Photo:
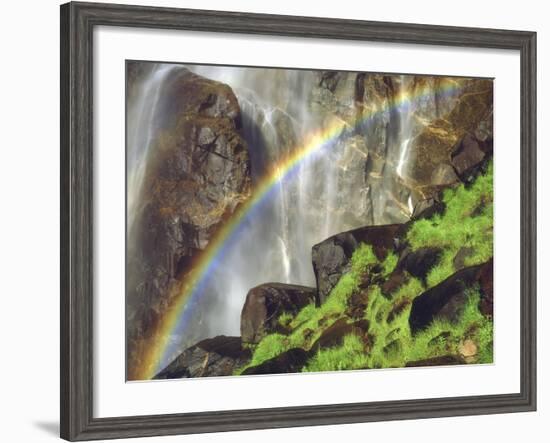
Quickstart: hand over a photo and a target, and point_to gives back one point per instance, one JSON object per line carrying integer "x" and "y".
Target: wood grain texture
{"x": 77, "y": 23}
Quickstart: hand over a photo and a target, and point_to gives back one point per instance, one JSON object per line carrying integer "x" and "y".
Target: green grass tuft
{"x": 440, "y": 338}
{"x": 350, "y": 355}
{"x": 285, "y": 318}
{"x": 271, "y": 346}
{"x": 362, "y": 258}
{"x": 390, "y": 263}
{"x": 466, "y": 223}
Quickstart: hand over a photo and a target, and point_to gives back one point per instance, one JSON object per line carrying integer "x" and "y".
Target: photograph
{"x": 283, "y": 220}
{"x": 266, "y": 222}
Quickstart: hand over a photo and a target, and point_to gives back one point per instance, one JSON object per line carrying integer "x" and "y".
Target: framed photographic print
{"x": 272, "y": 221}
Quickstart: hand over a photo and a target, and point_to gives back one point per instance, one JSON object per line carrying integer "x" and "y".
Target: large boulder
{"x": 334, "y": 335}
{"x": 216, "y": 356}
{"x": 196, "y": 173}
{"x": 332, "y": 257}
{"x": 469, "y": 155}
{"x": 265, "y": 303}
{"x": 427, "y": 208}
{"x": 419, "y": 262}
{"x": 446, "y": 300}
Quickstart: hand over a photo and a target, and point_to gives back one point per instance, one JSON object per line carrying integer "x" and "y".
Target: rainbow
{"x": 178, "y": 314}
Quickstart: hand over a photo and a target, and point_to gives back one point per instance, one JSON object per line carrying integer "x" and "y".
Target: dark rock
{"x": 446, "y": 300}
{"x": 444, "y": 174}
{"x": 357, "y": 304}
{"x": 329, "y": 80}
{"x": 330, "y": 262}
{"x": 394, "y": 281}
{"x": 427, "y": 208}
{"x": 419, "y": 262}
{"x": 397, "y": 309}
{"x": 434, "y": 145}
{"x": 335, "y": 333}
{"x": 416, "y": 263}
{"x": 486, "y": 287}
{"x": 265, "y": 303}
{"x": 289, "y": 361}
{"x": 198, "y": 172}
{"x": 444, "y": 360}
{"x": 468, "y": 156}
{"x": 211, "y": 357}
{"x": 331, "y": 258}
{"x": 460, "y": 257}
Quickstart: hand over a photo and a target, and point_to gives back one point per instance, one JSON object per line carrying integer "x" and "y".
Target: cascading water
{"x": 275, "y": 245}
{"x": 405, "y": 126}
{"x": 142, "y": 127}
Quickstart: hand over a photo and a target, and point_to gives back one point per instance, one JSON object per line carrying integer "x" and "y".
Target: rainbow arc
{"x": 178, "y": 314}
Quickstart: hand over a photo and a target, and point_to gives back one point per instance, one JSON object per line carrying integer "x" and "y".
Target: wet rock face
{"x": 446, "y": 300}
{"x": 198, "y": 171}
{"x": 443, "y": 112}
{"x": 211, "y": 357}
{"x": 331, "y": 258}
{"x": 469, "y": 156}
{"x": 448, "y": 149}
{"x": 427, "y": 208}
{"x": 265, "y": 303}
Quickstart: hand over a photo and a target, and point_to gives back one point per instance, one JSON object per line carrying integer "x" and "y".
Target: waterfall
{"x": 142, "y": 126}
{"x": 276, "y": 244}
{"x": 405, "y": 125}
{"x": 322, "y": 199}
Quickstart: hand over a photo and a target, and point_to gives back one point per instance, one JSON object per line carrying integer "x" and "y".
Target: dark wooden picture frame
{"x": 77, "y": 24}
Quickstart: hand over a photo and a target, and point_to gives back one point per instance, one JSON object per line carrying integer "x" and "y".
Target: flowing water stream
{"x": 311, "y": 205}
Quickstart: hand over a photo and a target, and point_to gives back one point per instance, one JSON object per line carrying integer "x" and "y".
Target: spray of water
{"x": 405, "y": 127}
{"x": 142, "y": 127}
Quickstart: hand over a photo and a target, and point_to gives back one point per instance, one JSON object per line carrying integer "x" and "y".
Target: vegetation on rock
{"x": 464, "y": 234}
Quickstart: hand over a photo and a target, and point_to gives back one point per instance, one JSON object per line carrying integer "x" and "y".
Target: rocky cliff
{"x": 198, "y": 175}
{"x": 404, "y": 131}
{"x": 403, "y": 196}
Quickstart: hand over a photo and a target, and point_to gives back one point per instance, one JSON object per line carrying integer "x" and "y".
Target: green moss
{"x": 445, "y": 268}
{"x": 271, "y": 346}
{"x": 304, "y": 315}
{"x": 409, "y": 290}
{"x": 484, "y": 339}
{"x": 311, "y": 321}
{"x": 466, "y": 222}
{"x": 285, "y": 318}
{"x": 362, "y": 258}
{"x": 390, "y": 263}
{"x": 440, "y": 338}
{"x": 350, "y": 355}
